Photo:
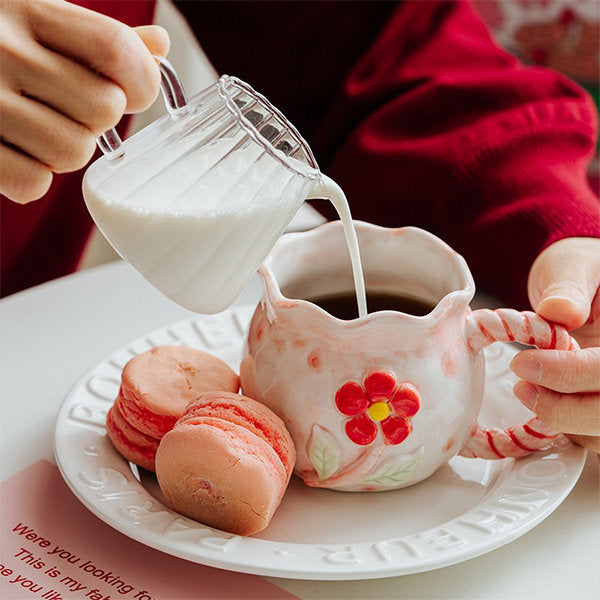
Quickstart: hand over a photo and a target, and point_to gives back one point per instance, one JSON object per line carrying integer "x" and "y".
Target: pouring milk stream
{"x": 197, "y": 199}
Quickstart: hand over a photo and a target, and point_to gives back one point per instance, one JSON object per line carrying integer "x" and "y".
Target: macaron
{"x": 226, "y": 463}
{"x": 156, "y": 386}
{"x": 134, "y": 445}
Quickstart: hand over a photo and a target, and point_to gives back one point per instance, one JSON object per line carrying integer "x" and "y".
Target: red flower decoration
{"x": 379, "y": 400}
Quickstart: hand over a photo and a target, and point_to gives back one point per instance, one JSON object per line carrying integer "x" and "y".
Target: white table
{"x": 53, "y": 333}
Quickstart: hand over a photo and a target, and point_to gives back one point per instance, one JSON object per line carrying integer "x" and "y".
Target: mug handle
{"x": 484, "y": 327}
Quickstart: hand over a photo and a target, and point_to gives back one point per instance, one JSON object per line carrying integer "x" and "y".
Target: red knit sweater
{"x": 409, "y": 106}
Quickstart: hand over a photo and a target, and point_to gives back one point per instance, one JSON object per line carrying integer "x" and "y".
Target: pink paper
{"x": 53, "y": 548}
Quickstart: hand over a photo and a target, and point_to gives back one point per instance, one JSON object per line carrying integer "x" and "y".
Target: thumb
{"x": 564, "y": 279}
{"x": 155, "y": 38}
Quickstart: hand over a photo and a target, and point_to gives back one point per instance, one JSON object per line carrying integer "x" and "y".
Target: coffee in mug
{"x": 343, "y": 306}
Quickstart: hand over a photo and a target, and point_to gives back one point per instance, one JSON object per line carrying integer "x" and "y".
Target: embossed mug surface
{"x": 381, "y": 402}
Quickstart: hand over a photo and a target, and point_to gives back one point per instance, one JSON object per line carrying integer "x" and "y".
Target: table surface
{"x": 52, "y": 334}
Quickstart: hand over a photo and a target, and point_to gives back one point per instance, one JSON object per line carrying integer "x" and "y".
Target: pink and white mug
{"x": 381, "y": 402}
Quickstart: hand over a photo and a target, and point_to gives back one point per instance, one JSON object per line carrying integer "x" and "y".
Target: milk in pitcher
{"x": 196, "y": 200}
{"x": 198, "y": 229}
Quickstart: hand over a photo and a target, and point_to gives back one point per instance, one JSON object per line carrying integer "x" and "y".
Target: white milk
{"x": 198, "y": 224}
{"x": 331, "y": 190}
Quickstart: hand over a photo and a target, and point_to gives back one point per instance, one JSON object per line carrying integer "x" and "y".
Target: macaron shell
{"x": 134, "y": 445}
{"x": 157, "y": 385}
{"x": 145, "y": 420}
{"x": 249, "y": 414}
{"x": 220, "y": 474}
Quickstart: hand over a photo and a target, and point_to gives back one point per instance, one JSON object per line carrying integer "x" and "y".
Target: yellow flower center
{"x": 379, "y": 411}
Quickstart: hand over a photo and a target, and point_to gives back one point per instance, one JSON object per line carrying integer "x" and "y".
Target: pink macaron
{"x": 133, "y": 444}
{"x": 156, "y": 386}
{"x": 226, "y": 463}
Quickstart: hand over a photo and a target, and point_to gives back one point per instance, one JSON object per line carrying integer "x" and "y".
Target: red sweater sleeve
{"x": 453, "y": 134}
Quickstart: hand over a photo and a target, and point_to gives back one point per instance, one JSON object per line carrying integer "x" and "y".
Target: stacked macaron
{"x": 222, "y": 459}
{"x": 226, "y": 462}
{"x": 156, "y": 387}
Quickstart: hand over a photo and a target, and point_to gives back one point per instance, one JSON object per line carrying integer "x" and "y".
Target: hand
{"x": 67, "y": 75}
{"x": 563, "y": 387}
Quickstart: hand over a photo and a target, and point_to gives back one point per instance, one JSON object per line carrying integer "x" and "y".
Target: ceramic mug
{"x": 381, "y": 402}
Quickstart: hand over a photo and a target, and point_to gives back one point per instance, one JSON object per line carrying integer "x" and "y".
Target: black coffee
{"x": 343, "y": 306}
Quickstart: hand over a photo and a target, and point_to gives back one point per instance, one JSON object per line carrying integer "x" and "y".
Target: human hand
{"x": 67, "y": 75}
{"x": 563, "y": 387}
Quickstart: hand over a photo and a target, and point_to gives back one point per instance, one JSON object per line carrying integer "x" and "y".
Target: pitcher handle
{"x": 175, "y": 100}
{"x": 484, "y": 327}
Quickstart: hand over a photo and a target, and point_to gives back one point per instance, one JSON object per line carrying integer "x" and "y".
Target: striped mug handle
{"x": 484, "y": 327}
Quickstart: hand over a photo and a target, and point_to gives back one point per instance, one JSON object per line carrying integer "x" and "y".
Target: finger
{"x": 560, "y": 370}
{"x": 155, "y": 38}
{"x": 564, "y": 279}
{"x": 42, "y": 133}
{"x": 591, "y": 442}
{"x": 69, "y": 88}
{"x": 101, "y": 43}
{"x": 22, "y": 178}
{"x": 568, "y": 413}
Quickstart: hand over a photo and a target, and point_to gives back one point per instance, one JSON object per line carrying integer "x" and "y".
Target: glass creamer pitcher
{"x": 196, "y": 200}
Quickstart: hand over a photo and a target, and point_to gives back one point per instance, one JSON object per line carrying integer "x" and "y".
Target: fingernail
{"x": 567, "y": 307}
{"x": 562, "y": 297}
{"x": 526, "y": 367}
{"x": 527, "y": 394}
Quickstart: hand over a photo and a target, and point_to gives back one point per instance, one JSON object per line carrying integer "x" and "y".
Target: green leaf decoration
{"x": 324, "y": 452}
{"x": 396, "y": 471}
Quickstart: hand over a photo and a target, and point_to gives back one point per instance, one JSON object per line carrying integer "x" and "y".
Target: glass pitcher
{"x": 196, "y": 200}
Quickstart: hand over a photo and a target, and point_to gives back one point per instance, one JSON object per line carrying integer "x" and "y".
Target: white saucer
{"x": 466, "y": 509}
